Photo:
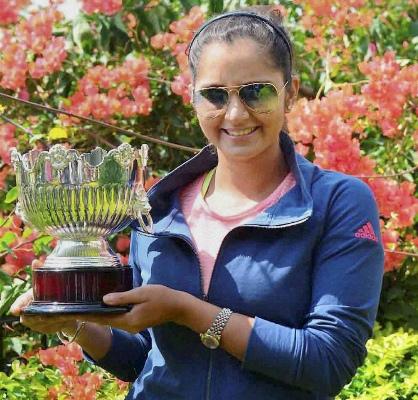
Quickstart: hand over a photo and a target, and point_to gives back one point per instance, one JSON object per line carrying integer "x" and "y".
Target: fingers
{"x": 133, "y": 296}
{"x": 128, "y": 321}
{"x": 21, "y": 302}
{"x": 47, "y": 324}
{"x": 116, "y": 321}
{"x": 36, "y": 263}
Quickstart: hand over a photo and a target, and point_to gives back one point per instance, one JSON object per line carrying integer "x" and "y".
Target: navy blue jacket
{"x": 309, "y": 269}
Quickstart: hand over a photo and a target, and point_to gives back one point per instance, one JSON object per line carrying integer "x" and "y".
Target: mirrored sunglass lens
{"x": 212, "y": 98}
{"x": 259, "y": 96}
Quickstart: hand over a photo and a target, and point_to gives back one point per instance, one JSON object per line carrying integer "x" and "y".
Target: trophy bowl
{"x": 81, "y": 198}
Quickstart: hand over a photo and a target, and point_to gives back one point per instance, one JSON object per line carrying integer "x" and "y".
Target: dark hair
{"x": 227, "y": 29}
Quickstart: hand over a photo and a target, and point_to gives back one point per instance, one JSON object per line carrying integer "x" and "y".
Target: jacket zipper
{"x": 209, "y": 377}
{"x": 204, "y": 298}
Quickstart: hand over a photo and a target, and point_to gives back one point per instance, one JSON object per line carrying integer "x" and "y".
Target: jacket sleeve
{"x": 324, "y": 354}
{"x": 128, "y": 352}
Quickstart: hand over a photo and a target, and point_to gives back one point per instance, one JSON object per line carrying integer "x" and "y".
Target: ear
{"x": 292, "y": 93}
{"x": 190, "y": 89}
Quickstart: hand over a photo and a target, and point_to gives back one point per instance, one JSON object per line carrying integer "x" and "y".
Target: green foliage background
{"x": 390, "y": 371}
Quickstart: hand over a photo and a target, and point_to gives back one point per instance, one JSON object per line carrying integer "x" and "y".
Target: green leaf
{"x": 5, "y": 279}
{"x": 117, "y": 21}
{"x": 395, "y": 292}
{"x": 6, "y": 240}
{"x": 12, "y": 195}
{"x": 41, "y": 245}
{"x": 216, "y": 6}
{"x": 413, "y": 28}
{"x": 81, "y": 31}
{"x": 188, "y": 4}
{"x": 9, "y": 294}
{"x": 16, "y": 345}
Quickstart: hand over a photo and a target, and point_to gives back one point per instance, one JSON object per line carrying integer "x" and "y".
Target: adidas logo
{"x": 366, "y": 232}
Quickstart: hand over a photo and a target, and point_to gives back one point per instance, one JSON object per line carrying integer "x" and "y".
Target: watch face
{"x": 210, "y": 341}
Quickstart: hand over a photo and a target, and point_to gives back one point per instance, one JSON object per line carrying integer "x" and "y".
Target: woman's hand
{"x": 22, "y": 302}
{"x": 41, "y": 323}
{"x": 152, "y": 305}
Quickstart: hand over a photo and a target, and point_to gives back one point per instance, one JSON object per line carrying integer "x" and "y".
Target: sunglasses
{"x": 261, "y": 98}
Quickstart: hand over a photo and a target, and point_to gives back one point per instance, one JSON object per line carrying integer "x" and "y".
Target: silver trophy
{"x": 81, "y": 198}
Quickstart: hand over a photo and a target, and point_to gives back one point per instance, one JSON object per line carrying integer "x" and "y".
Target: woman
{"x": 254, "y": 284}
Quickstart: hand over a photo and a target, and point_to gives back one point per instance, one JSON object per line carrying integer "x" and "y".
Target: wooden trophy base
{"x": 78, "y": 290}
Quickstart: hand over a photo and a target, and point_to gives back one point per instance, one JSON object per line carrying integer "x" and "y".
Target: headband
{"x": 278, "y": 29}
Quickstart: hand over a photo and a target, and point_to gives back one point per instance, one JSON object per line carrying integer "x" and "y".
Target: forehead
{"x": 239, "y": 62}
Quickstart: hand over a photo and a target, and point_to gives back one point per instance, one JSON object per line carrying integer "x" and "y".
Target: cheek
{"x": 208, "y": 126}
{"x": 274, "y": 122}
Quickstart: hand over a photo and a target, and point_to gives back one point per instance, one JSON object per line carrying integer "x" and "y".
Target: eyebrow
{"x": 241, "y": 84}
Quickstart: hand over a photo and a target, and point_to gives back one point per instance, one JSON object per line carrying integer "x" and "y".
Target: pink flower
{"x": 108, "y": 7}
{"x": 7, "y": 141}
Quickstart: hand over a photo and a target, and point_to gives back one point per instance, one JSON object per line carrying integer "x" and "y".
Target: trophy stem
{"x": 70, "y": 253}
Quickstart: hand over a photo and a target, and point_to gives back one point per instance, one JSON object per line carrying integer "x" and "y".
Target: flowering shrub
{"x": 103, "y": 92}
{"x": 177, "y": 41}
{"x": 124, "y": 63}
{"x": 58, "y": 373}
{"x": 30, "y": 49}
{"x": 9, "y": 10}
{"x": 109, "y": 7}
{"x": 390, "y": 371}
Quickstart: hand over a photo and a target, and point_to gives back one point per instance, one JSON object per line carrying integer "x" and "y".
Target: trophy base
{"x": 42, "y": 308}
{"x": 78, "y": 290}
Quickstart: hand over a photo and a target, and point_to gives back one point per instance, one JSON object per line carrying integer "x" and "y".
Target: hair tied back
{"x": 276, "y": 28}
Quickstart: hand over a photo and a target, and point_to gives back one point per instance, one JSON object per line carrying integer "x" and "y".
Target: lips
{"x": 240, "y": 132}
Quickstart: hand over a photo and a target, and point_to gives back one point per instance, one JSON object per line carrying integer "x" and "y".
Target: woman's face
{"x": 240, "y": 133}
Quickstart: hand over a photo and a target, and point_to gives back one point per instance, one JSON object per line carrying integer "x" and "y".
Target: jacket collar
{"x": 293, "y": 208}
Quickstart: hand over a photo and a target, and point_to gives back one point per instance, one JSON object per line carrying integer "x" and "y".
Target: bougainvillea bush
{"x": 123, "y": 64}
{"x": 58, "y": 373}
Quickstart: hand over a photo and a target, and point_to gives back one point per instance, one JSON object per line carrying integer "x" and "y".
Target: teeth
{"x": 240, "y": 132}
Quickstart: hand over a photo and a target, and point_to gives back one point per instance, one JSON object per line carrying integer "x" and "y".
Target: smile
{"x": 240, "y": 132}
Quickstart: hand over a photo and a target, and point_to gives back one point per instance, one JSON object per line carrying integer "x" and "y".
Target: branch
{"x": 7, "y": 218}
{"x": 100, "y": 139}
{"x": 407, "y": 171}
{"x": 28, "y": 131}
{"x": 16, "y": 276}
{"x": 19, "y": 245}
{"x": 405, "y": 253}
{"x": 105, "y": 124}
{"x": 351, "y": 83}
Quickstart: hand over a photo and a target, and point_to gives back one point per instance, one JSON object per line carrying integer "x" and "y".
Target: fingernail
{"x": 108, "y": 298}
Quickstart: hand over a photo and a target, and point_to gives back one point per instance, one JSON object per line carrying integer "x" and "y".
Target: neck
{"x": 254, "y": 179}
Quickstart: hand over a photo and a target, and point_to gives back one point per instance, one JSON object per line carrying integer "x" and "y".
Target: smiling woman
{"x": 253, "y": 284}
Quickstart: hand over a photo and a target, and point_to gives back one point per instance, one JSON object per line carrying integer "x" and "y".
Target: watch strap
{"x": 219, "y": 322}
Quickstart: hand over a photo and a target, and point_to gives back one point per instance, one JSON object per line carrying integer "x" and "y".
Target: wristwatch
{"x": 212, "y": 337}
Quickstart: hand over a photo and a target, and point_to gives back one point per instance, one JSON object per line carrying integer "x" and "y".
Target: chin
{"x": 240, "y": 154}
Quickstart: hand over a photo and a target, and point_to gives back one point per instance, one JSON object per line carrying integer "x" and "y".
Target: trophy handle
{"x": 148, "y": 225}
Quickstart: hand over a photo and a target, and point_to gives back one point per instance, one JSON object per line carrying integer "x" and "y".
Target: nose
{"x": 235, "y": 108}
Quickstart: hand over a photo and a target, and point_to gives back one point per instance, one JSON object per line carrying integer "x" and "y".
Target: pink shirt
{"x": 208, "y": 228}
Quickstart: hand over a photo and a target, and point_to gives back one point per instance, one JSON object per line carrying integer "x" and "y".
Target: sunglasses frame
{"x": 237, "y": 88}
